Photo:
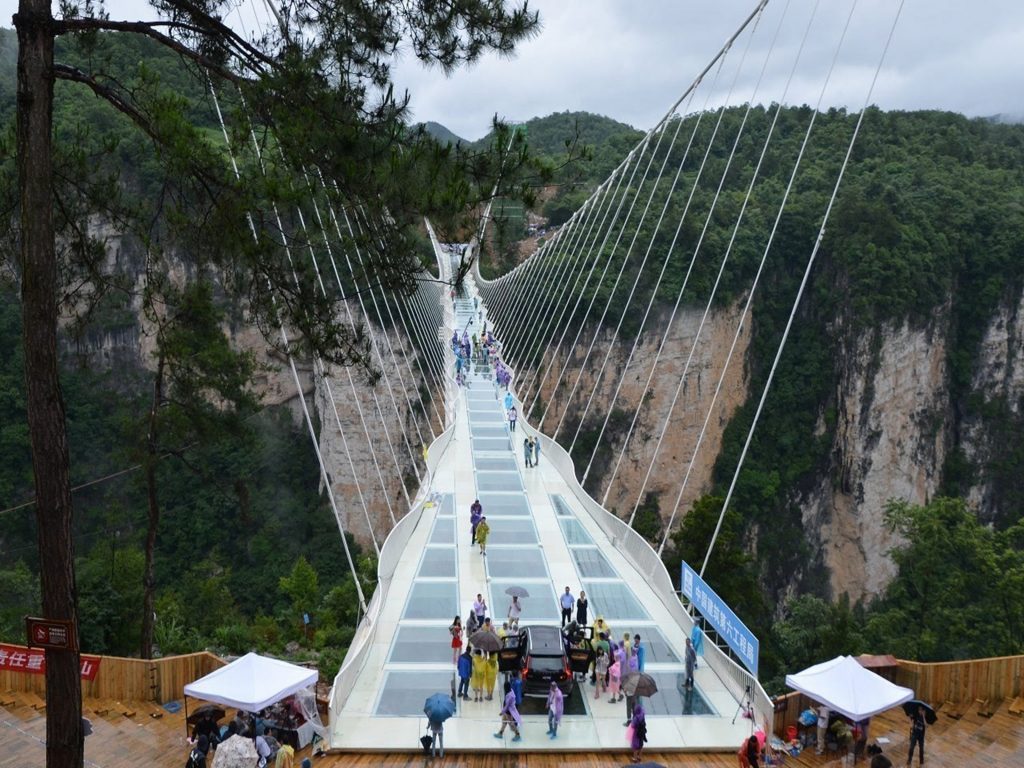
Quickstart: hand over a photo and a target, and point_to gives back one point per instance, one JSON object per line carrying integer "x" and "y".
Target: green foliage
{"x": 812, "y": 630}
{"x": 955, "y": 595}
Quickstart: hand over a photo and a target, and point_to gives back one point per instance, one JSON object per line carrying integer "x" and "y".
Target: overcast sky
{"x": 632, "y": 59}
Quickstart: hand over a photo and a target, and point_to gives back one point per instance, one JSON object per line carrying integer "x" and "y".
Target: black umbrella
{"x": 216, "y": 711}
{"x": 910, "y": 707}
{"x": 639, "y": 684}
{"x": 485, "y": 640}
{"x": 516, "y": 592}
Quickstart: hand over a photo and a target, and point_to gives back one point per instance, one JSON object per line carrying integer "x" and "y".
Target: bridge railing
{"x": 642, "y": 556}
{"x": 390, "y": 555}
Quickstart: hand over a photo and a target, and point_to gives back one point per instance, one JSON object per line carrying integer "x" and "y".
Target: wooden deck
{"x": 127, "y": 735}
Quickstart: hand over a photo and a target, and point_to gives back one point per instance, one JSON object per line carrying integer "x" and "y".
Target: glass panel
{"x": 574, "y": 532}
{"x": 444, "y": 531}
{"x": 504, "y": 504}
{"x": 590, "y": 563}
{"x": 424, "y": 645}
{"x": 673, "y": 699}
{"x": 511, "y": 531}
{"x": 613, "y": 601}
{"x": 438, "y": 562}
{"x": 487, "y": 431}
{"x": 539, "y": 606}
{"x": 658, "y": 650}
{"x": 495, "y": 464}
{"x": 432, "y": 600}
{"x": 491, "y": 444}
{"x": 499, "y": 481}
{"x": 403, "y": 693}
{"x": 517, "y": 562}
{"x": 561, "y": 508}
{"x": 446, "y": 505}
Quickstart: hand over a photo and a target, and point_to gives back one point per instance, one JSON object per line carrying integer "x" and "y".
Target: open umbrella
{"x": 639, "y": 684}
{"x": 910, "y": 707}
{"x": 216, "y": 711}
{"x": 485, "y": 640}
{"x": 439, "y": 707}
{"x": 516, "y": 592}
{"x": 236, "y": 752}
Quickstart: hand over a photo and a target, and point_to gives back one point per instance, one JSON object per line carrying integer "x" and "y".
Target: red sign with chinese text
{"x": 55, "y": 634}
{"x": 16, "y": 658}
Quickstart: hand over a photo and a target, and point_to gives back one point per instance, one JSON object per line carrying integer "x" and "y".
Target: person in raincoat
{"x": 640, "y": 652}
{"x": 508, "y": 401}
{"x": 614, "y": 672}
{"x": 491, "y": 674}
{"x": 476, "y": 680}
{"x": 555, "y": 708}
{"x": 601, "y": 672}
{"x": 600, "y": 625}
{"x": 639, "y": 735}
{"x": 483, "y": 530}
{"x": 509, "y": 715}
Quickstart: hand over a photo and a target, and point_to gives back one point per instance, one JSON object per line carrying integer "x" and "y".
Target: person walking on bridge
{"x": 483, "y": 530}
{"x": 509, "y": 402}
{"x": 527, "y": 452}
{"x": 512, "y": 416}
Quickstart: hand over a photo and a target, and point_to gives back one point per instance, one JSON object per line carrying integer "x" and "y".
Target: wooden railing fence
{"x": 159, "y": 680}
{"x": 991, "y": 680}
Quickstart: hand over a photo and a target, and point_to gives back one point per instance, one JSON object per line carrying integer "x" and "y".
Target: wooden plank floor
{"x": 118, "y": 741}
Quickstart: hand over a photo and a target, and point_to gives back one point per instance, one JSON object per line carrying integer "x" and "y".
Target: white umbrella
{"x": 236, "y": 752}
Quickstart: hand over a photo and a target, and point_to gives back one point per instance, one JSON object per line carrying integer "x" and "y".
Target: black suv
{"x": 544, "y": 654}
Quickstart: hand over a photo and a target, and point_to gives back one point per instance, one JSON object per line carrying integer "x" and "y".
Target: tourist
{"x": 476, "y": 514}
{"x": 600, "y": 672}
{"x": 516, "y": 681}
{"x": 508, "y": 401}
{"x": 581, "y": 609}
{"x": 527, "y": 452}
{"x": 555, "y": 708}
{"x": 691, "y": 663}
{"x": 478, "y": 674}
{"x": 822, "y": 726}
{"x": 640, "y": 652}
{"x": 515, "y": 610}
{"x": 263, "y": 748}
{"x": 639, "y": 735}
{"x": 491, "y": 674}
{"x": 509, "y": 715}
{"x": 483, "y": 530}
{"x": 465, "y": 669}
{"x": 437, "y": 738}
{"x": 613, "y": 682}
{"x": 456, "y": 632}
{"x": 917, "y": 727}
{"x": 480, "y": 609}
{"x": 536, "y": 451}
{"x": 567, "y": 601}
{"x": 512, "y": 416}
{"x": 197, "y": 755}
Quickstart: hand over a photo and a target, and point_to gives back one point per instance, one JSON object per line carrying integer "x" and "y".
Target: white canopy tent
{"x": 846, "y": 687}
{"x": 252, "y": 683}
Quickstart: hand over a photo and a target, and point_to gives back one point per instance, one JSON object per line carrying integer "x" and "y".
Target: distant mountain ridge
{"x": 441, "y": 133}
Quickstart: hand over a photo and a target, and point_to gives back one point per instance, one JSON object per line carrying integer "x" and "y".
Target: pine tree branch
{"x": 253, "y": 58}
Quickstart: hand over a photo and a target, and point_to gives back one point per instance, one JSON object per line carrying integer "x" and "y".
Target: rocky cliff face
{"x": 687, "y": 417}
{"x": 897, "y": 421}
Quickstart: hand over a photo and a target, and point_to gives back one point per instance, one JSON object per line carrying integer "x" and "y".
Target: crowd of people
{"x": 265, "y": 728}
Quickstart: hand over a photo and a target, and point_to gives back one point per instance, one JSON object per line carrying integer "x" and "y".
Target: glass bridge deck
{"x": 542, "y": 539}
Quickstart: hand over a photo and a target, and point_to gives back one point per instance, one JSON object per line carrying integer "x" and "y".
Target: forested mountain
{"x": 904, "y": 379}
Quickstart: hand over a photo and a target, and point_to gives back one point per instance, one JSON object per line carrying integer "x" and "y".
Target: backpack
{"x": 196, "y": 759}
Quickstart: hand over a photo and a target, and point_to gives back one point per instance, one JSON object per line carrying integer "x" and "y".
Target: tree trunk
{"x": 148, "y": 580}
{"x": 45, "y": 405}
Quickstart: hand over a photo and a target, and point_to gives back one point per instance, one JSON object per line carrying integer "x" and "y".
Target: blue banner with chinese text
{"x": 720, "y": 616}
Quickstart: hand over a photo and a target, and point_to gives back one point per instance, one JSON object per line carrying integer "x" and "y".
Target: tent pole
{"x": 186, "y": 715}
